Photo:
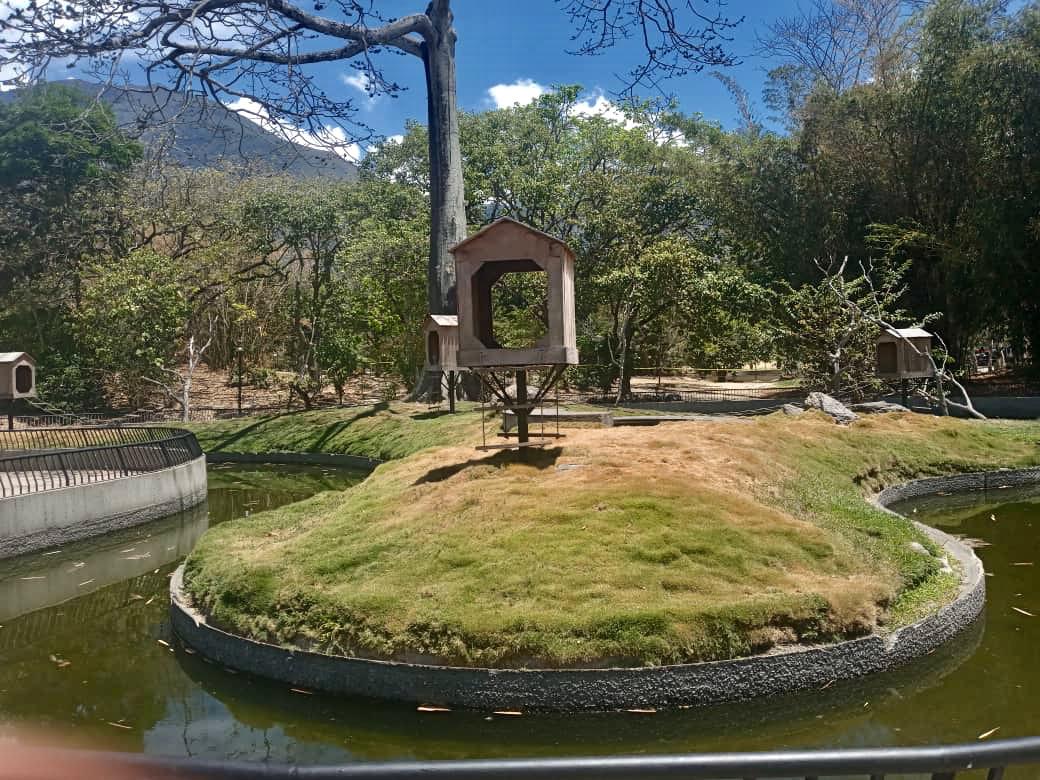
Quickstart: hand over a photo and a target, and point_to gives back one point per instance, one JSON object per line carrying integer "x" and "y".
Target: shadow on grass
{"x": 431, "y": 415}
{"x": 529, "y": 456}
{"x": 242, "y": 432}
{"x": 336, "y": 428}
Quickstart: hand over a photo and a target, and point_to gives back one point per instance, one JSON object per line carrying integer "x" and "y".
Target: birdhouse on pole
{"x": 17, "y": 380}
{"x": 441, "y": 337}
{"x": 17, "y": 376}
{"x": 441, "y": 344}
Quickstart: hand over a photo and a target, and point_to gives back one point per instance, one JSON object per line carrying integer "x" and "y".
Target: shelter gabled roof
{"x": 14, "y": 357}
{"x": 908, "y": 333}
{"x": 504, "y": 221}
{"x": 445, "y": 320}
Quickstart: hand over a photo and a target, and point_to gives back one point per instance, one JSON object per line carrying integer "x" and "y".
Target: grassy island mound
{"x": 620, "y": 546}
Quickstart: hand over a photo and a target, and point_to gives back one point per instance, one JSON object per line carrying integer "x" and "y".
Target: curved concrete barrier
{"x": 781, "y": 671}
{"x": 37, "y": 521}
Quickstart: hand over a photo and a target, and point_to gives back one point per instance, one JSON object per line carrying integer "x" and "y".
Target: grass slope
{"x": 624, "y": 546}
{"x": 385, "y": 431}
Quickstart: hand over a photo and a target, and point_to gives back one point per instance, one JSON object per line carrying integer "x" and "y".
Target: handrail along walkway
{"x": 41, "y": 459}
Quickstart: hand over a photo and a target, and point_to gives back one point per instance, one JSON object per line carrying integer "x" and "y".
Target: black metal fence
{"x": 79, "y": 437}
{"x": 991, "y": 760}
{"x": 61, "y": 420}
{"x": 51, "y": 458}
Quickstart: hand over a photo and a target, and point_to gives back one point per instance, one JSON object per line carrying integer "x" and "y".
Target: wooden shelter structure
{"x": 481, "y": 261}
{"x": 505, "y": 247}
{"x": 903, "y": 354}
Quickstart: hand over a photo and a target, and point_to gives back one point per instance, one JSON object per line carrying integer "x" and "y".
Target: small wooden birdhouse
{"x": 17, "y": 376}
{"x": 441, "y": 337}
{"x": 903, "y": 354}
{"x": 485, "y": 260}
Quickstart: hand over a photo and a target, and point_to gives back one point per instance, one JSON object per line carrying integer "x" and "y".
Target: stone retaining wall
{"x": 37, "y": 521}
{"x": 784, "y": 670}
{"x": 296, "y": 459}
{"x": 958, "y": 483}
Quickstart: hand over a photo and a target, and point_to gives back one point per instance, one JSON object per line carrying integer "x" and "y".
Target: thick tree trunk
{"x": 447, "y": 202}
{"x": 447, "y": 193}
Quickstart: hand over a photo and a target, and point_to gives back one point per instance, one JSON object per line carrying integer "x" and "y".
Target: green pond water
{"x": 86, "y": 652}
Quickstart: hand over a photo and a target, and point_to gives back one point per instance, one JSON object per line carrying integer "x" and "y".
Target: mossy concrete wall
{"x": 296, "y": 459}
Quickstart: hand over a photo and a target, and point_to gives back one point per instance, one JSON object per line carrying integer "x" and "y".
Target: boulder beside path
{"x": 832, "y": 406}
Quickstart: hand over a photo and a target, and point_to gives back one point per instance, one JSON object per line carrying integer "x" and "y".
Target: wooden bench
{"x": 606, "y": 419}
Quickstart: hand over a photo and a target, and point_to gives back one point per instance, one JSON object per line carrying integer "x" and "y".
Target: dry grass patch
{"x": 622, "y": 546}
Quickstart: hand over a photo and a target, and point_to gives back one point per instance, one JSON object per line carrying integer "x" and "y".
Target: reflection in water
{"x": 33, "y": 582}
{"x": 103, "y": 665}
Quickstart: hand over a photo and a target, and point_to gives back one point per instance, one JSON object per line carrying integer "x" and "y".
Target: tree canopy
{"x": 696, "y": 245}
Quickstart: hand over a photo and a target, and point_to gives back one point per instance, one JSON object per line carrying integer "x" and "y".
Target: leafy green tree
{"x": 63, "y": 167}
{"x": 829, "y": 330}
{"x": 296, "y": 231}
{"x": 385, "y": 277}
{"x": 937, "y": 163}
{"x": 62, "y": 163}
{"x": 726, "y": 319}
{"x": 131, "y": 322}
{"x": 616, "y": 189}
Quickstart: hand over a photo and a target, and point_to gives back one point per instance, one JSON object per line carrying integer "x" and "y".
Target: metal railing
{"x": 979, "y": 759}
{"x": 42, "y": 459}
{"x": 60, "y": 419}
{"x": 19, "y": 440}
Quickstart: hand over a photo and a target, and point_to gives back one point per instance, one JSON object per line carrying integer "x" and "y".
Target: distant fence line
{"x": 43, "y": 459}
{"x": 141, "y": 417}
{"x": 706, "y": 394}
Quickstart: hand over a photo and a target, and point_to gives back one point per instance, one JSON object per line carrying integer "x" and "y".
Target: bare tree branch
{"x": 678, "y": 38}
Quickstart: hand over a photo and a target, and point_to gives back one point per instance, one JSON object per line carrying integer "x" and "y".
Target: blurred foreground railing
{"x": 991, "y": 760}
{"x": 51, "y": 458}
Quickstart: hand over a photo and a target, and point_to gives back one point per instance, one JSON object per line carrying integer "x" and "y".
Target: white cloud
{"x": 520, "y": 92}
{"x": 524, "y": 91}
{"x": 328, "y": 137}
{"x": 359, "y": 80}
{"x": 598, "y": 105}
{"x": 397, "y": 138}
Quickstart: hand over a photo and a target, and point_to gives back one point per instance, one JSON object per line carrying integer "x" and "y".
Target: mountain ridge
{"x": 197, "y": 132}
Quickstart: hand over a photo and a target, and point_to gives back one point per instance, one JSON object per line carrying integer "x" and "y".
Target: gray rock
{"x": 877, "y": 407}
{"x": 832, "y": 406}
{"x": 532, "y": 390}
{"x": 792, "y": 411}
{"x": 920, "y": 549}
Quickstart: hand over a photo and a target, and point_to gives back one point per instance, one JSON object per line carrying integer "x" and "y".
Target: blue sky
{"x": 504, "y": 47}
{"x": 509, "y": 50}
